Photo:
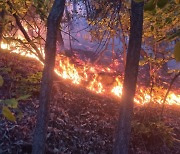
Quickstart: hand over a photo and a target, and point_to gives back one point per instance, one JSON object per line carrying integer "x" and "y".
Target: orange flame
{"x": 89, "y": 77}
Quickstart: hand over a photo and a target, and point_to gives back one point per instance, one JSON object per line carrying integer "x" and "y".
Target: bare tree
{"x": 131, "y": 71}
{"x": 53, "y": 22}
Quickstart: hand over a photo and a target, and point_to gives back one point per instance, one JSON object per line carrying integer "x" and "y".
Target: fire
{"x": 101, "y": 80}
{"x": 117, "y": 90}
{"x": 68, "y": 71}
{"x": 5, "y": 46}
{"x": 173, "y": 99}
{"x": 15, "y": 49}
{"x": 96, "y": 86}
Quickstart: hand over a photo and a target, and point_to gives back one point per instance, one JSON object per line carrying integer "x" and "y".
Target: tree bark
{"x": 53, "y": 21}
{"x": 121, "y": 144}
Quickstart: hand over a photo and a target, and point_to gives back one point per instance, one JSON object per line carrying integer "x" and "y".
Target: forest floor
{"x": 80, "y": 121}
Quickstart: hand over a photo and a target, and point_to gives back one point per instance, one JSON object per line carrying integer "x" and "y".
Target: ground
{"x": 80, "y": 121}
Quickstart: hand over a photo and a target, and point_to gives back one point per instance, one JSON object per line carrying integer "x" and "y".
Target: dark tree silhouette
{"x": 1, "y": 24}
{"x": 131, "y": 71}
{"x": 53, "y": 22}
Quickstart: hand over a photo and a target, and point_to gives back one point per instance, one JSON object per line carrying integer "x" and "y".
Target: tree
{"x": 131, "y": 71}
{"x": 1, "y": 24}
{"x": 53, "y": 22}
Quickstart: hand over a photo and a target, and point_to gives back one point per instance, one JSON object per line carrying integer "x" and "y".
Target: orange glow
{"x": 90, "y": 77}
{"x": 117, "y": 90}
{"x": 96, "y": 86}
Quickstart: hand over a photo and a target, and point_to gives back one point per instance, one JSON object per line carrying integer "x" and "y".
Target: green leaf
{"x": 5, "y": 69}
{"x": 177, "y": 51}
{"x": 25, "y": 97}
{"x": 8, "y": 114}
{"x": 168, "y": 20}
{"x": 150, "y": 5}
{"x": 162, "y": 3}
{"x": 152, "y": 28}
{"x": 1, "y": 81}
{"x": 11, "y": 102}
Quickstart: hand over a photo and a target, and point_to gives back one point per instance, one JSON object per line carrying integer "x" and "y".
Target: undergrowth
{"x": 150, "y": 132}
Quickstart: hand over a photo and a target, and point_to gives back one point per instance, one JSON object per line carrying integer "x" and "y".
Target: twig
{"x": 25, "y": 33}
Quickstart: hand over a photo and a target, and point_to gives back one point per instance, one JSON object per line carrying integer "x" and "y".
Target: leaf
{"x": 1, "y": 81}
{"x": 11, "y": 102}
{"x": 177, "y": 51}
{"x": 8, "y": 114}
{"x": 152, "y": 28}
{"x": 150, "y": 5}
{"x": 177, "y": 1}
{"x": 168, "y": 20}
{"x": 5, "y": 69}
{"x": 25, "y": 97}
{"x": 162, "y": 3}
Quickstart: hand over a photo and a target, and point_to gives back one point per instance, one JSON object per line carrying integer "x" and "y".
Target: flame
{"x": 5, "y": 46}
{"x": 68, "y": 71}
{"x": 90, "y": 76}
{"x": 117, "y": 90}
{"x": 96, "y": 86}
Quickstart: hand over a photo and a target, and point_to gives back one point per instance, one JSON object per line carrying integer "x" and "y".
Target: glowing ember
{"x": 97, "y": 78}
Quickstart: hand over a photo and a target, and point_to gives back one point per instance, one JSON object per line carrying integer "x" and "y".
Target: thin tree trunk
{"x": 99, "y": 56}
{"x": 1, "y": 25}
{"x": 69, "y": 29}
{"x": 124, "y": 43}
{"x": 113, "y": 49}
{"x": 53, "y": 21}
{"x": 87, "y": 10}
{"x": 74, "y": 7}
{"x": 121, "y": 144}
{"x": 60, "y": 41}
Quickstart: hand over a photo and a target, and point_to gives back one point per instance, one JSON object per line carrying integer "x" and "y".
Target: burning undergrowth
{"x": 102, "y": 79}
{"x": 107, "y": 80}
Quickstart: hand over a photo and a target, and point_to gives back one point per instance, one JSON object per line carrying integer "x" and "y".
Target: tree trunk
{"x": 53, "y": 21}
{"x": 74, "y": 7}
{"x": 70, "y": 53}
{"x": 60, "y": 42}
{"x": 1, "y": 25}
{"x": 131, "y": 71}
{"x": 113, "y": 50}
